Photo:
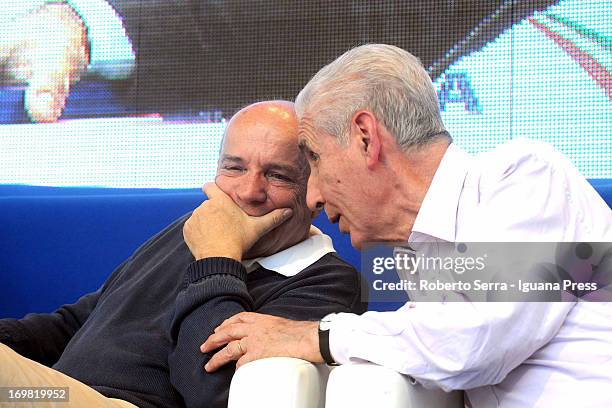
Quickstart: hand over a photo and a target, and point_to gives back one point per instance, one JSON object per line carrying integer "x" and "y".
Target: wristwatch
{"x": 324, "y": 326}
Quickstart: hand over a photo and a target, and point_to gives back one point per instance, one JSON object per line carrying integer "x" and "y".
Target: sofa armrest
{"x": 370, "y": 385}
{"x": 279, "y": 382}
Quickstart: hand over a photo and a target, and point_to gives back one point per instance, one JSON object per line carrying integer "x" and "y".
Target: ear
{"x": 368, "y": 136}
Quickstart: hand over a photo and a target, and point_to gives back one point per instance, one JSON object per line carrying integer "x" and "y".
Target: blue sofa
{"x": 59, "y": 243}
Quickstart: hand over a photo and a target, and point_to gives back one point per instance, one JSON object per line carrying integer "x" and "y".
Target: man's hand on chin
{"x": 219, "y": 227}
{"x": 251, "y": 336}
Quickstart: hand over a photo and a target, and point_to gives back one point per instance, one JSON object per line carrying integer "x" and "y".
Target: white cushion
{"x": 279, "y": 382}
{"x": 369, "y": 385}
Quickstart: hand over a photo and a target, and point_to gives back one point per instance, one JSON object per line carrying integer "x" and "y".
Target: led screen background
{"x": 165, "y": 76}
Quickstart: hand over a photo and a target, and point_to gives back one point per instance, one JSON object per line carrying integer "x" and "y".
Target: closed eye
{"x": 233, "y": 168}
{"x": 281, "y": 177}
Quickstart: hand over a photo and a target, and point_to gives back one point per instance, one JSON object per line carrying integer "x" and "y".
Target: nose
{"x": 314, "y": 199}
{"x": 252, "y": 190}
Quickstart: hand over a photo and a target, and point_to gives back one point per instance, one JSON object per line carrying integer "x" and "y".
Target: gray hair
{"x": 386, "y": 80}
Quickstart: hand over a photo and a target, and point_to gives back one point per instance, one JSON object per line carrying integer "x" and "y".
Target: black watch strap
{"x": 324, "y": 347}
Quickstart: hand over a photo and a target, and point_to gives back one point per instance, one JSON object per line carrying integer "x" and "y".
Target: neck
{"x": 413, "y": 172}
{"x": 261, "y": 250}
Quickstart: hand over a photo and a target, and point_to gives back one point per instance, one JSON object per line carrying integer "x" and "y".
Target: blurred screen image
{"x": 135, "y": 93}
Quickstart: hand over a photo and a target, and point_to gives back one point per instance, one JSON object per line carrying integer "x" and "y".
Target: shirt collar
{"x": 437, "y": 216}
{"x": 292, "y": 260}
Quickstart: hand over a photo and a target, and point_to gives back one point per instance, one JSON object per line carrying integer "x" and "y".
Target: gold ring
{"x": 240, "y": 347}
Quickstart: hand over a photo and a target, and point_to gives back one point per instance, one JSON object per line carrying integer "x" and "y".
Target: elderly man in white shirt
{"x": 385, "y": 169}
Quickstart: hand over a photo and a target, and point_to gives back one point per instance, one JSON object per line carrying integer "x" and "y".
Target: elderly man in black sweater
{"x": 249, "y": 247}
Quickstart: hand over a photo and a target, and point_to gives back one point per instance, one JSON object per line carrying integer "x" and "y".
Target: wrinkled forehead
{"x": 307, "y": 133}
{"x": 264, "y": 145}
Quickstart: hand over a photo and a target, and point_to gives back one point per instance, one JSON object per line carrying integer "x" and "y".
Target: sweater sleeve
{"x": 215, "y": 289}
{"x": 42, "y": 337}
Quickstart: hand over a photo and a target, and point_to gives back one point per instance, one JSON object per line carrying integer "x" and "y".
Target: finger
{"x": 242, "y": 317}
{"x": 246, "y": 358}
{"x": 224, "y": 336}
{"x": 215, "y": 341}
{"x": 273, "y": 219}
{"x": 222, "y": 357}
{"x": 212, "y": 191}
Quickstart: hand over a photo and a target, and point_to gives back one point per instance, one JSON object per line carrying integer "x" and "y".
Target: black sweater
{"x": 137, "y": 338}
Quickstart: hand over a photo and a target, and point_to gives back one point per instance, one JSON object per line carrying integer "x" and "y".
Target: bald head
{"x": 262, "y": 168}
{"x": 275, "y": 115}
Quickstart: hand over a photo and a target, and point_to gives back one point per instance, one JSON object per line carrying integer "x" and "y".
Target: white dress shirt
{"x": 290, "y": 261}
{"x": 504, "y": 354}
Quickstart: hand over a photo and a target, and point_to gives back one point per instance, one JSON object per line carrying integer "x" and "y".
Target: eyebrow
{"x": 292, "y": 170}
{"x": 228, "y": 157}
{"x": 304, "y": 146}
{"x": 271, "y": 166}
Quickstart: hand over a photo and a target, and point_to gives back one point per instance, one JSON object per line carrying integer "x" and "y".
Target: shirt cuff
{"x": 342, "y": 329}
{"x": 200, "y": 269}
